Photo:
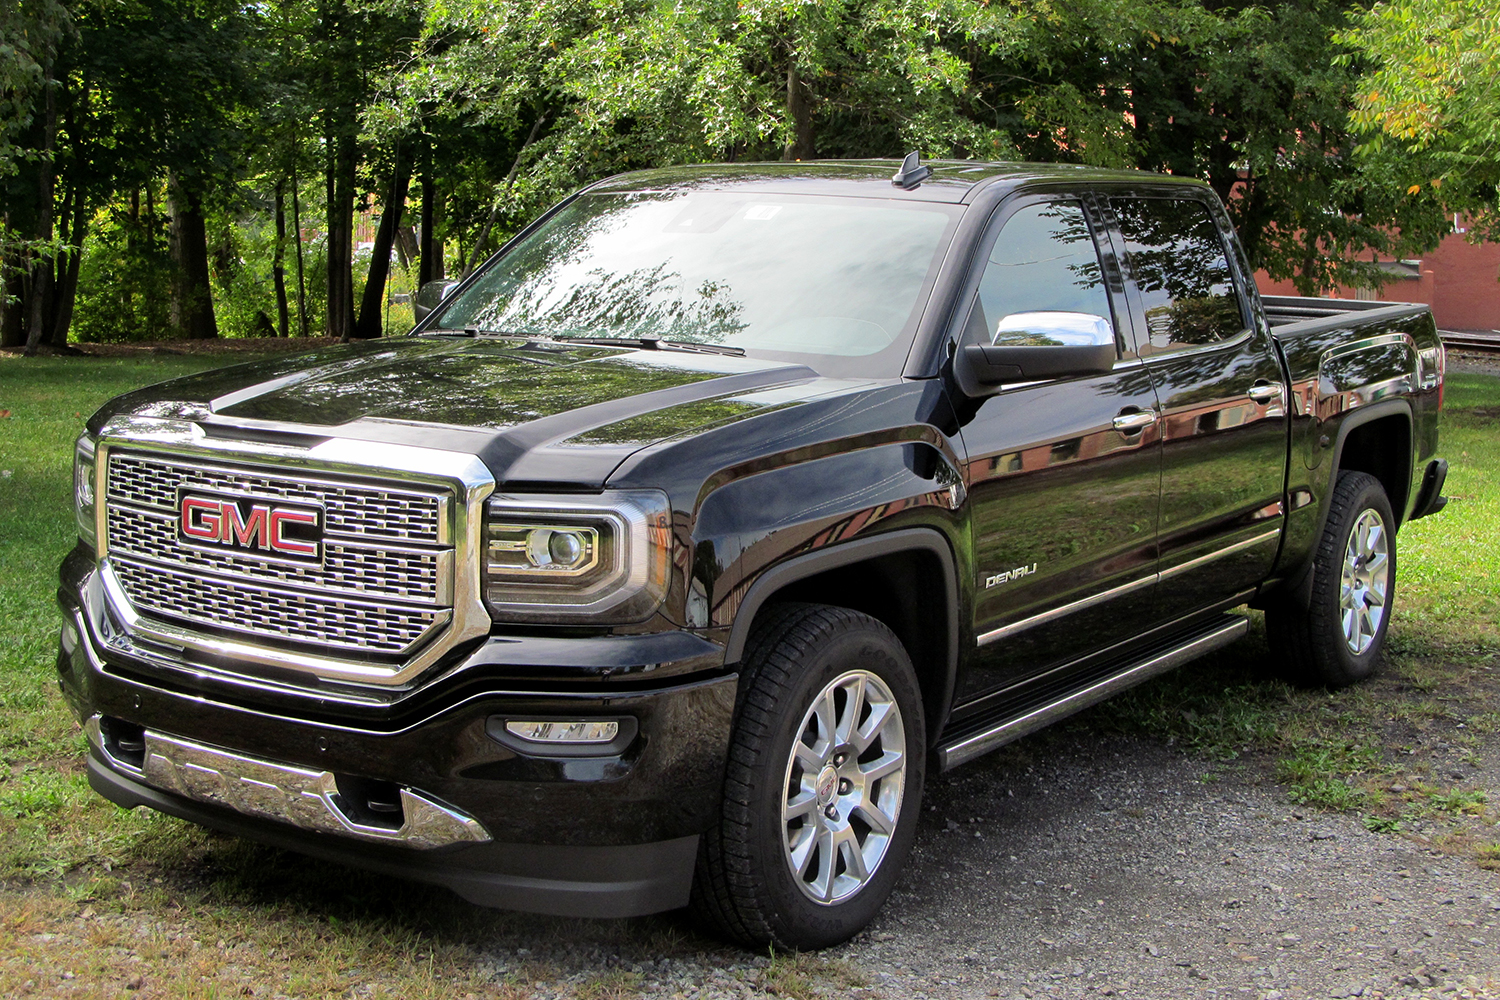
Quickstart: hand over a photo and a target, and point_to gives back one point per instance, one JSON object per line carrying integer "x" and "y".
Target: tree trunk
{"x": 278, "y": 268}
{"x": 510, "y": 181}
{"x": 429, "y": 268}
{"x": 40, "y": 285}
{"x": 192, "y": 297}
{"x": 799, "y": 111}
{"x": 406, "y": 245}
{"x": 372, "y": 302}
{"x": 65, "y": 293}
{"x": 341, "y": 237}
{"x": 12, "y": 267}
{"x": 301, "y": 271}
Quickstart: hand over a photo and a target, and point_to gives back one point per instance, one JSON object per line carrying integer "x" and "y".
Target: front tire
{"x": 823, "y": 783}
{"x": 1337, "y": 639}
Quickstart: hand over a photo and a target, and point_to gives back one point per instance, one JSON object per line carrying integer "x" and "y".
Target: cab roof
{"x": 952, "y": 181}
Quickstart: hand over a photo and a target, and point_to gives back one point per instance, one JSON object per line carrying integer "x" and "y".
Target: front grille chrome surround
{"x": 396, "y": 589}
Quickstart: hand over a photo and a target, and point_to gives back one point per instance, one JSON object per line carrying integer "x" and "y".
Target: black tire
{"x": 745, "y": 885}
{"x": 1309, "y": 642}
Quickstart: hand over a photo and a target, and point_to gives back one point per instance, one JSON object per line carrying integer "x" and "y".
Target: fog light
{"x": 569, "y": 733}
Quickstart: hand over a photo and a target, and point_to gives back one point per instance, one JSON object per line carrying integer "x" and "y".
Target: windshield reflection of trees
{"x": 1180, "y": 267}
{"x": 532, "y": 292}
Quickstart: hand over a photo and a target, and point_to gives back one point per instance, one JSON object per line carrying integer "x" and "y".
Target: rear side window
{"x": 1043, "y": 261}
{"x": 1180, "y": 266}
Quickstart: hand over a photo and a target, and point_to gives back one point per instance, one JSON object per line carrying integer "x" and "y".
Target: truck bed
{"x": 1293, "y": 314}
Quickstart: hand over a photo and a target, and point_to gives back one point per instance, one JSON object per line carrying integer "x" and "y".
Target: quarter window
{"x": 1180, "y": 267}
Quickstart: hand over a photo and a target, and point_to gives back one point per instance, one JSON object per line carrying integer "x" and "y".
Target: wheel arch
{"x": 890, "y": 577}
{"x": 1378, "y": 440}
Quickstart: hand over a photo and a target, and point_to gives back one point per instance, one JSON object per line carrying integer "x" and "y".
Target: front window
{"x": 836, "y": 283}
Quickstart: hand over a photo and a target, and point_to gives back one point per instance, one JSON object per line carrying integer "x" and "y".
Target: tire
{"x": 1337, "y": 638}
{"x": 798, "y": 658}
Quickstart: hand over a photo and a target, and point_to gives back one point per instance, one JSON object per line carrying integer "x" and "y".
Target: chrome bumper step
{"x": 302, "y": 797}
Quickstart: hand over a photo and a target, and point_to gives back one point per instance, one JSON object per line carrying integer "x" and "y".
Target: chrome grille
{"x": 383, "y": 585}
{"x": 349, "y": 508}
{"x": 327, "y": 621}
{"x": 406, "y": 574}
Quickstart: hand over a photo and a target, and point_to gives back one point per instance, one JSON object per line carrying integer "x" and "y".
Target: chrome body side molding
{"x": 1126, "y": 588}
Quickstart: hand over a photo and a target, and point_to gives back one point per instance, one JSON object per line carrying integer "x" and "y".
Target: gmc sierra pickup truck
{"x": 680, "y": 543}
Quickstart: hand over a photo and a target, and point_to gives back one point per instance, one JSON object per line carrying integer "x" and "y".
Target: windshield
{"x": 836, "y": 283}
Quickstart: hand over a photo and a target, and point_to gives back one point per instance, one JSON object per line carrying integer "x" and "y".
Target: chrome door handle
{"x": 1263, "y": 394}
{"x": 1135, "y": 421}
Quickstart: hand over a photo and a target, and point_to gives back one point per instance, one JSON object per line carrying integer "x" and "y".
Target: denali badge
{"x": 248, "y": 524}
{"x": 995, "y": 579}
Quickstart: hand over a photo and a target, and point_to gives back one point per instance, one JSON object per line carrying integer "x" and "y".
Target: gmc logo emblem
{"x": 248, "y": 524}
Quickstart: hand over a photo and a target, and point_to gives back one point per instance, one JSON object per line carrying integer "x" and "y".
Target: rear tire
{"x": 1338, "y": 637}
{"x": 823, "y": 782}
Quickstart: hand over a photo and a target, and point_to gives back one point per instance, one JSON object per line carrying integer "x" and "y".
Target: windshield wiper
{"x": 477, "y": 331}
{"x": 655, "y": 344}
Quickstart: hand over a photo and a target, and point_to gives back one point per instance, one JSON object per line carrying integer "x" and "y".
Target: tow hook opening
{"x": 369, "y": 802}
{"x": 124, "y": 741}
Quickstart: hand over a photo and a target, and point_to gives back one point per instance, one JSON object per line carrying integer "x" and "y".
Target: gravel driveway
{"x": 1073, "y": 866}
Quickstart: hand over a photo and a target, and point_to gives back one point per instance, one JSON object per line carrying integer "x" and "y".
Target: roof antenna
{"x": 911, "y": 173}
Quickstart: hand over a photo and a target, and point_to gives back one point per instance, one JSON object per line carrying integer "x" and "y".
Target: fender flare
{"x": 1299, "y": 585}
{"x": 928, "y": 540}
{"x": 1358, "y": 418}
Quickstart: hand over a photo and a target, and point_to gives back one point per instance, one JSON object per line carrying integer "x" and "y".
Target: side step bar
{"x": 967, "y": 749}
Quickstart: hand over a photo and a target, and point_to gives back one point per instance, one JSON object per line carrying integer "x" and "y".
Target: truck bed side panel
{"x": 1347, "y": 369}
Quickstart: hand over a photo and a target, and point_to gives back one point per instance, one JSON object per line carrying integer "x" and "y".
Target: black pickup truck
{"x": 683, "y": 540}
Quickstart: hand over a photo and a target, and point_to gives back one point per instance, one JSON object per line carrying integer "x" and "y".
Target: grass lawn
{"x": 126, "y": 901}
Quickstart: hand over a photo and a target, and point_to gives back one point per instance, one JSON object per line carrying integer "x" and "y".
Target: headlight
{"x": 599, "y": 558}
{"x": 83, "y": 489}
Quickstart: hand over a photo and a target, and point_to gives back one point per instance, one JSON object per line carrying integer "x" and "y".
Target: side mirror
{"x": 428, "y": 297}
{"x": 1031, "y": 346}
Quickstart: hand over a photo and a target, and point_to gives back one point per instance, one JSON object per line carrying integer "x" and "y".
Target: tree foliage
{"x": 1428, "y": 105}
{"x": 175, "y": 140}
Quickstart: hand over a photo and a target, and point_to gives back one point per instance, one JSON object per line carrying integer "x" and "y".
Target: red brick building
{"x": 1459, "y": 280}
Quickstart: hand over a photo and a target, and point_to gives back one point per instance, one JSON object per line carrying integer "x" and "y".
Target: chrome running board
{"x": 953, "y": 754}
{"x": 299, "y": 796}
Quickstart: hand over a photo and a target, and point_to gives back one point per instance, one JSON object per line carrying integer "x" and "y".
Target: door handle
{"x": 1263, "y": 393}
{"x": 1135, "y": 421}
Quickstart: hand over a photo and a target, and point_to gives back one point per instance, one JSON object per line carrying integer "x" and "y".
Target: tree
{"x": 1428, "y": 105}
{"x": 32, "y": 36}
{"x": 1247, "y": 97}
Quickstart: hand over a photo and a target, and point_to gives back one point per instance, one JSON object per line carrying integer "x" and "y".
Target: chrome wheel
{"x": 844, "y": 782}
{"x": 1366, "y": 581}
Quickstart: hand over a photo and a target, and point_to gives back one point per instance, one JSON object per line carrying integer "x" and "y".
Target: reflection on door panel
{"x": 1224, "y": 424}
{"x": 1064, "y": 504}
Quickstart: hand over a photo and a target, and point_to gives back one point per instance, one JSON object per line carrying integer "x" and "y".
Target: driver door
{"x": 1064, "y": 475}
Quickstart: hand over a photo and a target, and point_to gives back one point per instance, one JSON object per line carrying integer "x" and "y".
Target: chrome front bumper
{"x": 298, "y": 796}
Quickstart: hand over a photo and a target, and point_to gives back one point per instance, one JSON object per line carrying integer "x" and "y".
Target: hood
{"x": 536, "y": 413}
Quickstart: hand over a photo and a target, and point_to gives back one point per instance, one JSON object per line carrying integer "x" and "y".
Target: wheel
{"x": 823, "y": 784}
{"x": 1336, "y": 639}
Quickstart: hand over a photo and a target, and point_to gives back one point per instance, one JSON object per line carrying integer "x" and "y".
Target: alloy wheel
{"x": 844, "y": 782}
{"x": 1366, "y": 581}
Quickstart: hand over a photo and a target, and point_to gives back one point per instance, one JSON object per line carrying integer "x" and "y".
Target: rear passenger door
{"x": 1219, "y": 383}
{"x": 1063, "y": 474}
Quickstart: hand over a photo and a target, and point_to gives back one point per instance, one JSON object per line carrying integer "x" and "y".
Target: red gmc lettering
{"x": 245, "y": 532}
{"x": 265, "y": 528}
{"x": 202, "y": 518}
{"x": 291, "y": 545}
